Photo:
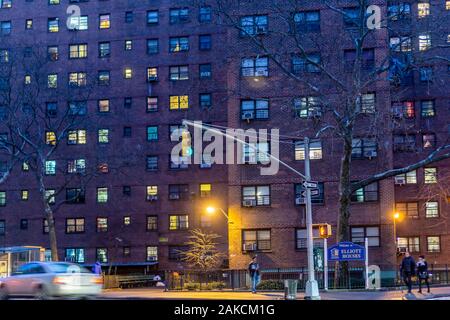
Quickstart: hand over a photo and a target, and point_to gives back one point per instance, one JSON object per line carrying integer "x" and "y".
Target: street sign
{"x": 314, "y": 192}
{"x": 310, "y": 184}
{"x": 346, "y": 251}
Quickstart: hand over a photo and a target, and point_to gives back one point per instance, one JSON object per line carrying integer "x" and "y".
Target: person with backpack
{"x": 253, "y": 269}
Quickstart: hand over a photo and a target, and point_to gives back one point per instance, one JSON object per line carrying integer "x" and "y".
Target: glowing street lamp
{"x": 396, "y": 216}
{"x": 212, "y": 210}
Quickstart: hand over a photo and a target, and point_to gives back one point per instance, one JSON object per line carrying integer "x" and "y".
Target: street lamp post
{"x": 312, "y": 288}
{"x": 396, "y": 216}
{"x": 212, "y": 210}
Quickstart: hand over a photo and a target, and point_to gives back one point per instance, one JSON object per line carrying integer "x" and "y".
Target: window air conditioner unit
{"x": 400, "y": 180}
{"x": 260, "y": 73}
{"x": 370, "y": 154}
{"x": 152, "y": 78}
{"x": 300, "y": 200}
{"x": 152, "y": 198}
{"x": 397, "y": 112}
{"x": 249, "y": 203}
{"x": 205, "y": 165}
{"x": 249, "y": 246}
{"x": 174, "y": 196}
{"x": 402, "y": 249}
{"x": 248, "y": 115}
{"x": 315, "y": 114}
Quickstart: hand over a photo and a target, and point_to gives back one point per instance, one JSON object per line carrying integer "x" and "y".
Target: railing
{"x": 273, "y": 279}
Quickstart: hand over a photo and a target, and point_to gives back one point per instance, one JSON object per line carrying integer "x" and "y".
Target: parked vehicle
{"x": 45, "y": 280}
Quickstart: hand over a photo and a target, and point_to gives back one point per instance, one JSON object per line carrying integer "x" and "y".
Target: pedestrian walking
{"x": 422, "y": 273}
{"x": 97, "y": 269}
{"x": 253, "y": 269}
{"x": 408, "y": 270}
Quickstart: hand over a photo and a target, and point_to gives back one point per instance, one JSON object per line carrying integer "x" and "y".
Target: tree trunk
{"x": 50, "y": 219}
{"x": 343, "y": 228}
{"x": 52, "y": 232}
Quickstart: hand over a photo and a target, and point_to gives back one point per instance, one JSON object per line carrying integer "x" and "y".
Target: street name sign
{"x": 346, "y": 251}
{"x": 310, "y": 184}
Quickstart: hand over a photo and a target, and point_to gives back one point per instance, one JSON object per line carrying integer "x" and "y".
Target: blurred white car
{"x": 44, "y": 280}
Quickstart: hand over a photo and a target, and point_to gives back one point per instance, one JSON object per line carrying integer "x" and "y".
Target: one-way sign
{"x": 314, "y": 192}
{"x": 310, "y": 184}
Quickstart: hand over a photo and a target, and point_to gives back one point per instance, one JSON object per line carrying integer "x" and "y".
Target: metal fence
{"x": 273, "y": 279}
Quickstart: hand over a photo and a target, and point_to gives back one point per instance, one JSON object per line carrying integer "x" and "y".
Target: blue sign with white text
{"x": 346, "y": 251}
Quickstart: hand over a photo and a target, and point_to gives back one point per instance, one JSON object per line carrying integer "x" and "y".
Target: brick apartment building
{"x": 155, "y": 63}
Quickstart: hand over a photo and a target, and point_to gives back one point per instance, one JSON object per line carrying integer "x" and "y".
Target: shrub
{"x": 271, "y": 285}
{"x": 191, "y": 286}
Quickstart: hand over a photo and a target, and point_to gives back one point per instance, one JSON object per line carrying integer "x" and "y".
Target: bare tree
{"x": 37, "y": 126}
{"x": 339, "y": 70}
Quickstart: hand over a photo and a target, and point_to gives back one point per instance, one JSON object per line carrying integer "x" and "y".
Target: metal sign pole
{"x": 325, "y": 265}
{"x": 312, "y": 288}
{"x": 366, "y": 245}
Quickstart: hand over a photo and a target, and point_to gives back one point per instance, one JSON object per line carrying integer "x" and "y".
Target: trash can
{"x": 290, "y": 289}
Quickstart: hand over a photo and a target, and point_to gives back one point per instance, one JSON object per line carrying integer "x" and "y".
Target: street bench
{"x": 136, "y": 281}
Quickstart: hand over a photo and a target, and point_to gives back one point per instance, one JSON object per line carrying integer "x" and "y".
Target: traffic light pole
{"x": 312, "y": 288}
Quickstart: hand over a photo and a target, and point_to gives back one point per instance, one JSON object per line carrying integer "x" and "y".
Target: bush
{"x": 191, "y": 286}
{"x": 270, "y": 285}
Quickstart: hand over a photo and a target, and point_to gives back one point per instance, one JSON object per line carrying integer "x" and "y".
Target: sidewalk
{"x": 157, "y": 294}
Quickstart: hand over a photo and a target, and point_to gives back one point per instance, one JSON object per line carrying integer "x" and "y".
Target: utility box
{"x": 11, "y": 258}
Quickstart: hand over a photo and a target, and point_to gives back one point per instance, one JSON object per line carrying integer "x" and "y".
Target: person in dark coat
{"x": 422, "y": 273}
{"x": 253, "y": 269}
{"x": 407, "y": 270}
{"x": 97, "y": 268}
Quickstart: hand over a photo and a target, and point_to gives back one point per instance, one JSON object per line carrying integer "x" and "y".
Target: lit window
{"x": 102, "y": 195}
{"x": 53, "y": 25}
{"x": 424, "y": 41}
{"x": 75, "y": 225}
{"x": 50, "y": 138}
{"x": 76, "y": 166}
{"x": 77, "y": 79}
{"x": 315, "y": 150}
{"x": 152, "y": 193}
{"x": 431, "y": 209}
{"x": 423, "y": 9}
{"x": 178, "y": 222}
{"x": 433, "y": 244}
{"x": 427, "y": 108}
{"x": 75, "y": 255}
{"x": 152, "y": 17}
{"x": 102, "y": 224}
{"x": 103, "y": 105}
{"x": 430, "y": 175}
{"x": 50, "y": 167}
{"x": 255, "y": 109}
{"x": 76, "y": 137}
{"x": 205, "y": 190}
{"x": 408, "y": 209}
{"x": 368, "y": 193}
{"x": 29, "y": 24}
{"x": 152, "y": 253}
{"x": 102, "y": 255}
{"x": 429, "y": 140}
{"x": 255, "y": 67}
{"x": 50, "y": 196}
{"x": 253, "y": 25}
{"x": 104, "y": 21}
{"x": 178, "y": 44}
{"x": 152, "y": 133}
{"x": 253, "y": 240}
{"x": 78, "y": 51}
{"x": 411, "y": 244}
{"x": 179, "y": 102}
{"x": 78, "y": 22}
{"x": 307, "y": 107}
{"x": 128, "y": 73}
{"x": 103, "y": 136}
{"x": 24, "y": 195}
{"x": 364, "y": 148}
{"x": 152, "y": 74}
{"x": 128, "y": 45}
{"x": 152, "y": 104}
{"x": 52, "y": 81}
{"x": 2, "y": 198}
{"x": 127, "y": 220}
{"x": 255, "y": 196}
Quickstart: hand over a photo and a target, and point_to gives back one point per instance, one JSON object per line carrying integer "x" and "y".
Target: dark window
{"x": 179, "y": 15}
{"x": 127, "y": 102}
{"x": 358, "y": 235}
{"x": 366, "y": 194}
{"x": 405, "y": 142}
{"x": 127, "y": 132}
{"x": 2, "y": 227}
{"x": 51, "y": 109}
{"x": 427, "y": 108}
{"x": 255, "y": 196}
{"x": 75, "y": 195}
{"x": 256, "y": 240}
{"x": 253, "y": 25}
{"x": 255, "y": 67}
{"x": 24, "y": 224}
{"x": 364, "y": 148}
{"x": 129, "y": 17}
{"x": 306, "y": 63}
{"x": 152, "y": 163}
{"x": 205, "y": 71}
{"x": 179, "y": 73}
{"x": 126, "y": 190}
{"x": 351, "y": 17}
{"x": 45, "y": 227}
{"x": 178, "y": 191}
{"x": 205, "y": 100}
{"x": 204, "y": 14}
{"x": 152, "y": 46}
{"x": 367, "y": 59}
{"x": 429, "y": 140}
{"x": 308, "y": 21}
{"x": 152, "y": 17}
{"x": 152, "y": 223}
{"x": 255, "y": 109}
{"x": 104, "y": 49}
